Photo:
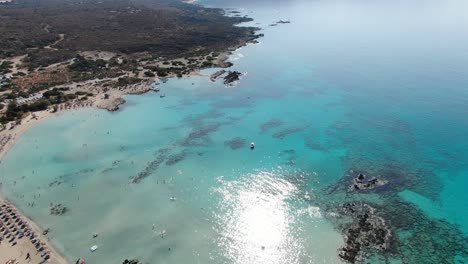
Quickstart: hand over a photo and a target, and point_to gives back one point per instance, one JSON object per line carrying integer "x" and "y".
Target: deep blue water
{"x": 373, "y": 86}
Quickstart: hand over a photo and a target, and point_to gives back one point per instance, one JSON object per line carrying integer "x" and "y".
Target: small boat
{"x": 172, "y": 198}
{"x": 93, "y": 248}
{"x": 80, "y": 261}
{"x": 252, "y": 145}
{"x": 162, "y": 95}
{"x": 157, "y": 89}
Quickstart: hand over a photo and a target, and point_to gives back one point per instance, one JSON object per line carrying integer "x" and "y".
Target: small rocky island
{"x": 362, "y": 182}
{"x": 231, "y": 77}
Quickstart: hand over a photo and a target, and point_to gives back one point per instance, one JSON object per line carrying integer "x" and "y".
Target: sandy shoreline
{"x": 24, "y": 245}
{"x": 12, "y": 132}
{"x": 12, "y": 219}
{"x": 8, "y": 138}
{"x": 102, "y": 98}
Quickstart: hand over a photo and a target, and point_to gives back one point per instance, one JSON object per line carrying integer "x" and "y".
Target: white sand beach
{"x": 22, "y": 241}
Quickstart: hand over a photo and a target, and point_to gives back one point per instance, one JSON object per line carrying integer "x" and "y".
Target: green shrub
{"x": 149, "y": 74}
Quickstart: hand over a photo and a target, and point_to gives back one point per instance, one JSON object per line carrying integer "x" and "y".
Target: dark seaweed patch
{"x": 288, "y": 131}
{"x": 123, "y": 148}
{"x": 176, "y": 158}
{"x": 67, "y": 177}
{"x": 273, "y": 123}
{"x": 213, "y": 114}
{"x": 198, "y": 136}
{"x": 161, "y": 156}
{"x": 312, "y": 142}
{"x": 422, "y": 239}
{"x": 236, "y": 143}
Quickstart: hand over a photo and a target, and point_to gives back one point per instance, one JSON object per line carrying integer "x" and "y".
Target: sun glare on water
{"x": 256, "y": 223}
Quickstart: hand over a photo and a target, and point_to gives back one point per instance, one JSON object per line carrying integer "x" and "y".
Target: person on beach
{"x": 28, "y": 257}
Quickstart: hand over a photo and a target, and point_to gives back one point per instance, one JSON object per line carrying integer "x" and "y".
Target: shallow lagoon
{"x": 379, "y": 86}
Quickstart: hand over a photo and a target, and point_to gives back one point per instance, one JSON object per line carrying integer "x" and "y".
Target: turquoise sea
{"x": 374, "y": 86}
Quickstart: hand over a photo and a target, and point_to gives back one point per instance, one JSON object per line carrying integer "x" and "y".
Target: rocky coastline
{"x": 377, "y": 223}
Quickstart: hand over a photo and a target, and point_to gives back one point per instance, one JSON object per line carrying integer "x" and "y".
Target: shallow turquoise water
{"x": 380, "y": 87}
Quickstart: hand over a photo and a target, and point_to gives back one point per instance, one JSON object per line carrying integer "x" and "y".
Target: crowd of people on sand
{"x": 76, "y": 105}
{"x": 4, "y": 140}
{"x": 14, "y": 228}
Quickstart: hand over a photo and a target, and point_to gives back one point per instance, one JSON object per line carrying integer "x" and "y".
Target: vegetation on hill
{"x": 162, "y": 27}
{"x": 104, "y": 44}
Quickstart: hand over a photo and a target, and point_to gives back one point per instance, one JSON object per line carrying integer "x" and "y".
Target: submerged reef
{"x": 271, "y": 124}
{"x": 367, "y": 231}
{"x": 236, "y": 143}
{"x": 161, "y": 156}
{"x": 378, "y": 224}
{"x": 199, "y": 135}
{"x": 422, "y": 239}
{"x": 288, "y": 131}
{"x": 176, "y": 158}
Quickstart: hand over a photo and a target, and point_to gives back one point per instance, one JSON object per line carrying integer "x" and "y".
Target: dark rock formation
{"x": 361, "y": 182}
{"x": 367, "y": 231}
{"x": 231, "y": 77}
{"x": 383, "y": 227}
